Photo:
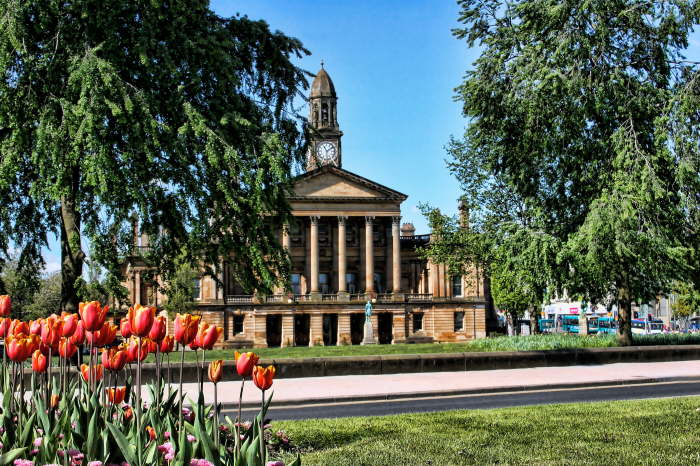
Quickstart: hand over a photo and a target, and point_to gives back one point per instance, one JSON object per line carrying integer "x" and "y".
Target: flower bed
{"x": 98, "y": 417}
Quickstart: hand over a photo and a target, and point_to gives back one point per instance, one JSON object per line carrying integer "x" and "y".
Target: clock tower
{"x": 324, "y": 147}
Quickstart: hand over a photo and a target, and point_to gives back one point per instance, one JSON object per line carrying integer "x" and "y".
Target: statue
{"x": 368, "y": 338}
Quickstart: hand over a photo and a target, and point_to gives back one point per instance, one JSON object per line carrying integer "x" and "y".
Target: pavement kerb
{"x": 474, "y": 391}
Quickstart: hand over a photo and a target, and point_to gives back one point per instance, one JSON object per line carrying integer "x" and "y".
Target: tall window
{"x": 197, "y": 289}
{"x": 296, "y": 283}
{"x": 238, "y": 324}
{"x": 350, "y": 283}
{"x": 459, "y": 321}
{"x": 457, "y": 286}
{"x": 323, "y": 283}
{"x": 417, "y": 321}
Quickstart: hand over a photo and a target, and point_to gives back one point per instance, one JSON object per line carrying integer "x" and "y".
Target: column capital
{"x": 314, "y": 219}
{"x": 342, "y": 219}
{"x": 369, "y": 219}
{"x": 396, "y": 220}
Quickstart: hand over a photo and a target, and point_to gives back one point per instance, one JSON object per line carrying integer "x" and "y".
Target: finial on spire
{"x": 321, "y": 63}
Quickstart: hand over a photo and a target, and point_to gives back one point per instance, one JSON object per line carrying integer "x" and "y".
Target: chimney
{"x": 407, "y": 229}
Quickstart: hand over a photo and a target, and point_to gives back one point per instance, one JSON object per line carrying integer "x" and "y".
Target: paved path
{"x": 394, "y": 386}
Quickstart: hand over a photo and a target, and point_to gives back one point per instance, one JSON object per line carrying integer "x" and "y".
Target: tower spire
{"x": 325, "y": 144}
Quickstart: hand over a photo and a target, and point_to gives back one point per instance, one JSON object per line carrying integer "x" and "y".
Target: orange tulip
{"x": 158, "y": 329}
{"x": 124, "y": 328}
{"x": 93, "y": 315}
{"x": 128, "y": 413}
{"x": 5, "y": 305}
{"x": 185, "y": 328}
{"x": 216, "y": 370}
{"x": 66, "y": 348}
{"x": 4, "y": 326}
{"x": 207, "y": 335}
{"x": 133, "y": 349}
{"x": 54, "y": 401}
{"x": 96, "y": 372}
{"x": 51, "y": 330}
{"x": 17, "y": 327}
{"x": 151, "y": 432}
{"x": 103, "y": 337}
{"x": 114, "y": 359}
{"x": 245, "y": 363}
{"x": 168, "y": 344}
{"x": 141, "y": 319}
{"x": 262, "y": 376}
{"x": 151, "y": 345}
{"x": 116, "y": 396}
{"x": 39, "y": 362}
{"x": 18, "y": 347}
{"x": 70, "y": 324}
{"x": 78, "y": 337}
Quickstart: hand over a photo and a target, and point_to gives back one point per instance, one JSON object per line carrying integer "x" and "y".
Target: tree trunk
{"x": 72, "y": 255}
{"x": 624, "y": 319}
{"x": 514, "y": 322}
{"x": 534, "y": 323}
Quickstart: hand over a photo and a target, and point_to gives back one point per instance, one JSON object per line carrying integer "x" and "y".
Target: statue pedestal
{"x": 369, "y": 334}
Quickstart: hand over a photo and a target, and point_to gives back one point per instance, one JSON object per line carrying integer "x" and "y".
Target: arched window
{"x": 324, "y": 114}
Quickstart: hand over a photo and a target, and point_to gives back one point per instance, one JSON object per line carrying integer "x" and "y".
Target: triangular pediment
{"x": 332, "y": 182}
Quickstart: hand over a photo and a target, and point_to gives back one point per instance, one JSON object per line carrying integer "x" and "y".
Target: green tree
{"x": 47, "y": 299}
{"x": 20, "y": 277}
{"x": 687, "y": 302}
{"x": 160, "y": 108}
{"x": 180, "y": 289}
{"x": 580, "y": 109}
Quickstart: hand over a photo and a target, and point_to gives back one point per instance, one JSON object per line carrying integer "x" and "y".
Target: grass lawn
{"x": 659, "y": 432}
{"x": 519, "y": 343}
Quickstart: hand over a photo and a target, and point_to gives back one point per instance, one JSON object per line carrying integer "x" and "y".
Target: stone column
{"x": 137, "y": 288}
{"x": 314, "y": 255}
{"x": 260, "y": 330}
{"x": 342, "y": 259}
{"x": 344, "y": 337}
{"x": 369, "y": 256}
{"x": 396, "y": 255}
{"x": 287, "y": 330}
{"x": 316, "y": 330}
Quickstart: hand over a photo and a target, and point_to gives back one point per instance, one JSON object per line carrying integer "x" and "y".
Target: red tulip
{"x": 262, "y": 376}
{"x": 66, "y": 348}
{"x": 116, "y": 396}
{"x": 39, "y": 362}
{"x": 93, "y": 315}
{"x": 128, "y": 413}
{"x": 151, "y": 432}
{"x": 245, "y": 363}
{"x": 185, "y": 328}
{"x": 78, "y": 337}
{"x": 5, "y": 305}
{"x": 96, "y": 372}
{"x": 18, "y": 347}
{"x": 35, "y": 326}
{"x": 70, "y": 324}
{"x": 124, "y": 328}
{"x": 216, "y": 370}
{"x": 114, "y": 359}
{"x": 208, "y": 335}
{"x": 133, "y": 349}
{"x": 168, "y": 344}
{"x": 151, "y": 345}
{"x": 4, "y": 326}
{"x": 158, "y": 329}
{"x": 141, "y": 319}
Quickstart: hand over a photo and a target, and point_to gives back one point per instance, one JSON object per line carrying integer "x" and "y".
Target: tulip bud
{"x": 5, "y": 305}
{"x": 78, "y": 337}
{"x": 245, "y": 363}
{"x": 70, "y": 324}
{"x": 66, "y": 348}
{"x": 262, "y": 376}
{"x": 141, "y": 319}
{"x": 39, "y": 362}
{"x": 116, "y": 396}
{"x": 185, "y": 328}
{"x": 151, "y": 432}
{"x": 93, "y": 315}
{"x": 96, "y": 372}
{"x": 216, "y": 371}
{"x": 54, "y": 401}
{"x": 167, "y": 345}
{"x": 4, "y": 326}
{"x": 124, "y": 328}
{"x": 158, "y": 329}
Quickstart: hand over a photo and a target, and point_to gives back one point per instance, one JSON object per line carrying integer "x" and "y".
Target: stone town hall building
{"x": 347, "y": 246}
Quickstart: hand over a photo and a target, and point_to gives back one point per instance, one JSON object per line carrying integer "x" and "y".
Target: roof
{"x": 380, "y": 192}
{"x": 322, "y": 85}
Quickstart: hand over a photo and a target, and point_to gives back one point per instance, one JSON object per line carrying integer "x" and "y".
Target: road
{"x": 478, "y": 401}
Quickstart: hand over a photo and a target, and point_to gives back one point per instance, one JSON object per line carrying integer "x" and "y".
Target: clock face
{"x": 326, "y": 152}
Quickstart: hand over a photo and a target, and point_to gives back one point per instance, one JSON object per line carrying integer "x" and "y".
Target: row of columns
{"x": 342, "y": 259}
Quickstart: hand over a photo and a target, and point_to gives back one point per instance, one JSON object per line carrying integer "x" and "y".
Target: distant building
{"x": 347, "y": 246}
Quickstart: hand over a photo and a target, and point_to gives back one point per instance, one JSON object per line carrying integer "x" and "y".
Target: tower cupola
{"x": 324, "y": 148}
